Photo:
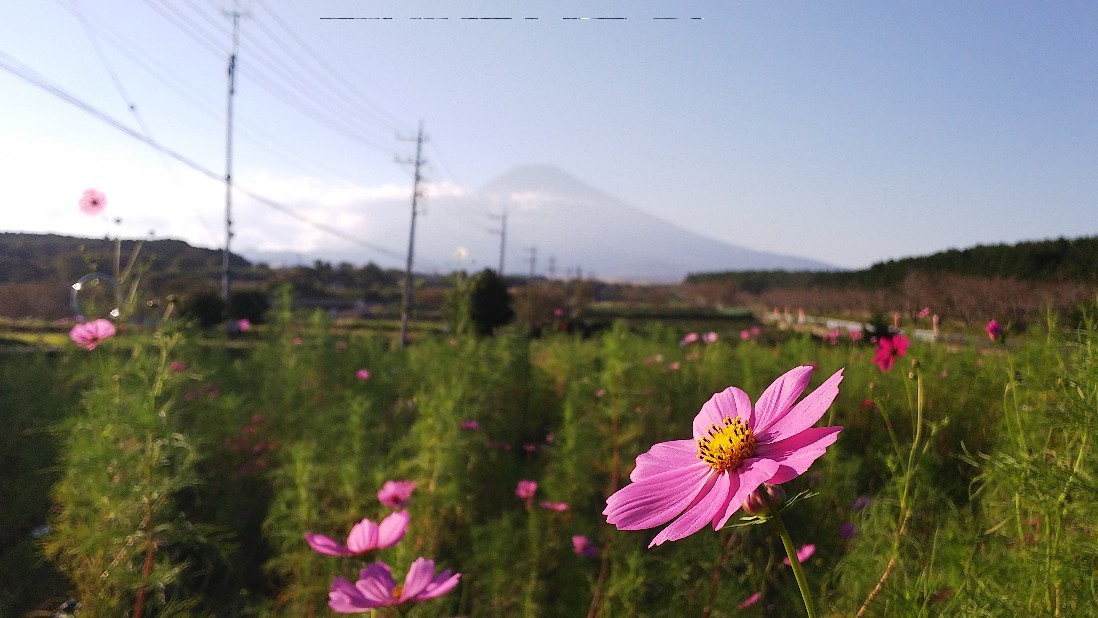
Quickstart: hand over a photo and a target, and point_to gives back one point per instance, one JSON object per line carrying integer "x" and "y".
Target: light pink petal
{"x": 751, "y": 474}
{"x": 796, "y": 454}
{"x": 730, "y": 402}
{"x": 805, "y": 413}
{"x": 749, "y": 601}
{"x": 445, "y": 582}
{"x": 778, "y": 398}
{"x": 392, "y": 529}
{"x": 713, "y": 500}
{"x": 344, "y": 598}
{"x": 657, "y": 499}
{"x": 363, "y": 537}
{"x": 419, "y": 576}
{"x": 376, "y": 584}
{"x": 326, "y": 545}
{"x": 665, "y": 456}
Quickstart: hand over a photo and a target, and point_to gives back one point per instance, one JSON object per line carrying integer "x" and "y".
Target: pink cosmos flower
{"x": 395, "y": 494}
{"x": 554, "y": 506}
{"x": 751, "y": 600}
{"x": 91, "y": 334}
{"x": 745, "y": 335}
{"x": 525, "y": 489}
{"x": 363, "y": 374}
{"x": 583, "y": 546}
{"x": 804, "y": 553}
{"x": 365, "y": 536}
{"x": 92, "y": 202}
{"x": 470, "y": 425}
{"x": 710, "y": 337}
{"x": 888, "y": 349}
{"x": 243, "y": 325}
{"x": 924, "y": 312}
{"x": 377, "y": 588}
{"x": 689, "y": 338}
{"x": 736, "y": 448}
{"x": 994, "y": 330}
{"x": 856, "y": 334}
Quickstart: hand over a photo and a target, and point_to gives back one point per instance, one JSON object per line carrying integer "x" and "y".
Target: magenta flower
{"x": 749, "y": 601}
{"x": 91, "y": 334}
{"x": 994, "y": 330}
{"x": 395, "y": 494}
{"x": 92, "y": 202}
{"x": 848, "y": 530}
{"x": 177, "y": 366}
{"x": 804, "y": 553}
{"x": 735, "y": 449}
{"x": 745, "y": 335}
{"x": 243, "y": 325}
{"x": 365, "y": 536}
{"x": 583, "y": 546}
{"x": 470, "y": 425}
{"x": 377, "y": 588}
{"x": 363, "y": 374}
{"x": 888, "y": 349}
{"x": 554, "y": 506}
{"x": 525, "y": 489}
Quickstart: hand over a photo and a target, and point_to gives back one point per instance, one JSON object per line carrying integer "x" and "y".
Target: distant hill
{"x": 1058, "y": 260}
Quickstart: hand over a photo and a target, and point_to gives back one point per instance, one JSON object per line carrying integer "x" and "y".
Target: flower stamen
{"x": 725, "y": 446}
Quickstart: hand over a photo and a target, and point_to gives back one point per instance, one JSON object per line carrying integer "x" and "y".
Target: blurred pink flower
{"x": 749, "y": 601}
{"x": 755, "y": 330}
{"x": 735, "y": 448}
{"x": 675, "y": 366}
{"x": 554, "y": 506}
{"x": 363, "y": 374}
{"x": 710, "y": 337}
{"x": 365, "y": 536}
{"x": 888, "y": 349}
{"x": 92, "y": 202}
{"x": 600, "y": 393}
{"x": 856, "y": 334}
{"x": 994, "y": 330}
{"x": 91, "y": 334}
{"x": 804, "y": 553}
{"x": 584, "y": 547}
{"x": 925, "y": 311}
{"x": 396, "y": 494}
{"x": 689, "y": 338}
{"x": 297, "y": 341}
{"x": 525, "y": 489}
{"x": 177, "y": 367}
{"x": 745, "y": 335}
{"x": 244, "y": 325}
{"x": 377, "y": 588}
{"x": 470, "y": 425}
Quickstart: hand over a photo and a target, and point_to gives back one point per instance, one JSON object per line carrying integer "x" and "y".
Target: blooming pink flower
{"x": 92, "y": 202}
{"x": 91, "y": 334}
{"x": 554, "y": 506}
{"x": 749, "y": 601}
{"x": 804, "y": 553}
{"x": 243, "y": 325}
{"x": 994, "y": 330}
{"x": 745, "y": 335}
{"x": 395, "y": 494}
{"x": 365, "y": 536}
{"x": 710, "y": 337}
{"x": 377, "y": 588}
{"x": 689, "y": 338}
{"x": 583, "y": 546}
{"x": 888, "y": 349}
{"x": 470, "y": 425}
{"x": 525, "y": 489}
{"x": 736, "y": 447}
{"x": 363, "y": 374}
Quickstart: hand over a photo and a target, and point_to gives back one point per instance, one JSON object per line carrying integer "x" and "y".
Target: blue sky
{"x": 847, "y": 132}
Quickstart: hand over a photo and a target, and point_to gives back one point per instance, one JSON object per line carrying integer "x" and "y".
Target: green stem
{"x": 798, "y": 571}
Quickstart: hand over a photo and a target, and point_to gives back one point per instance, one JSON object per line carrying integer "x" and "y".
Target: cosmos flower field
{"x": 162, "y": 472}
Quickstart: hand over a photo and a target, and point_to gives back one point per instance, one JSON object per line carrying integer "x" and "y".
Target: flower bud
{"x": 757, "y": 502}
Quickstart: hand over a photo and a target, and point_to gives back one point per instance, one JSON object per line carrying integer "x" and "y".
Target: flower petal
{"x": 805, "y": 413}
{"x": 657, "y": 499}
{"x": 392, "y": 529}
{"x": 665, "y": 456}
{"x": 376, "y": 584}
{"x": 730, "y": 402}
{"x": 752, "y": 473}
{"x": 419, "y": 577}
{"x": 363, "y": 537}
{"x": 796, "y": 454}
{"x": 440, "y": 585}
{"x": 326, "y": 545}
{"x": 778, "y": 398}
{"x": 697, "y": 515}
{"x": 344, "y": 598}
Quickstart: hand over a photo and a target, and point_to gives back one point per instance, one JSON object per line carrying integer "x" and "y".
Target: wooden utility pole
{"x": 406, "y": 301}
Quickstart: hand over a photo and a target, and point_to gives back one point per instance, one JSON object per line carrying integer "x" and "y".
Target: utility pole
{"x": 226, "y": 282}
{"x": 552, "y": 266}
{"x": 502, "y": 231}
{"x": 406, "y": 301}
{"x": 533, "y": 261}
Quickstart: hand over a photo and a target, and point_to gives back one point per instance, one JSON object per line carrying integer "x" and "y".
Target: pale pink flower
{"x": 675, "y": 366}
{"x": 92, "y": 202}
{"x": 600, "y": 393}
{"x": 745, "y": 335}
{"x": 525, "y": 489}
{"x": 363, "y": 374}
{"x": 554, "y": 506}
{"x": 736, "y": 447}
{"x": 755, "y": 330}
{"x": 377, "y": 588}
{"x": 749, "y": 601}
{"x": 924, "y": 312}
{"x": 365, "y": 536}
{"x": 804, "y": 553}
{"x": 856, "y": 334}
{"x": 91, "y": 334}
{"x": 297, "y": 341}
{"x": 396, "y": 494}
{"x": 710, "y": 337}
{"x": 583, "y": 546}
{"x": 689, "y": 338}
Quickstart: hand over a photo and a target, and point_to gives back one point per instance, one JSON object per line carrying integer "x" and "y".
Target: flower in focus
{"x": 994, "y": 330}
{"x": 804, "y": 553}
{"x": 525, "y": 489}
{"x": 363, "y": 374}
{"x": 92, "y": 202}
{"x": 736, "y": 448}
{"x": 395, "y": 494}
{"x": 365, "y": 536}
{"x": 91, "y": 334}
{"x": 554, "y": 506}
{"x": 749, "y": 601}
{"x": 583, "y": 546}
{"x": 377, "y": 588}
{"x": 888, "y": 348}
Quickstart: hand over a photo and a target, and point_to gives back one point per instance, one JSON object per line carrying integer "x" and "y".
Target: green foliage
{"x": 489, "y": 302}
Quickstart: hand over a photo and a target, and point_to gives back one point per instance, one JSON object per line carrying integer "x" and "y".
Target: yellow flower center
{"x": 725, "y": 446}
{"x": 398, "y": 590}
